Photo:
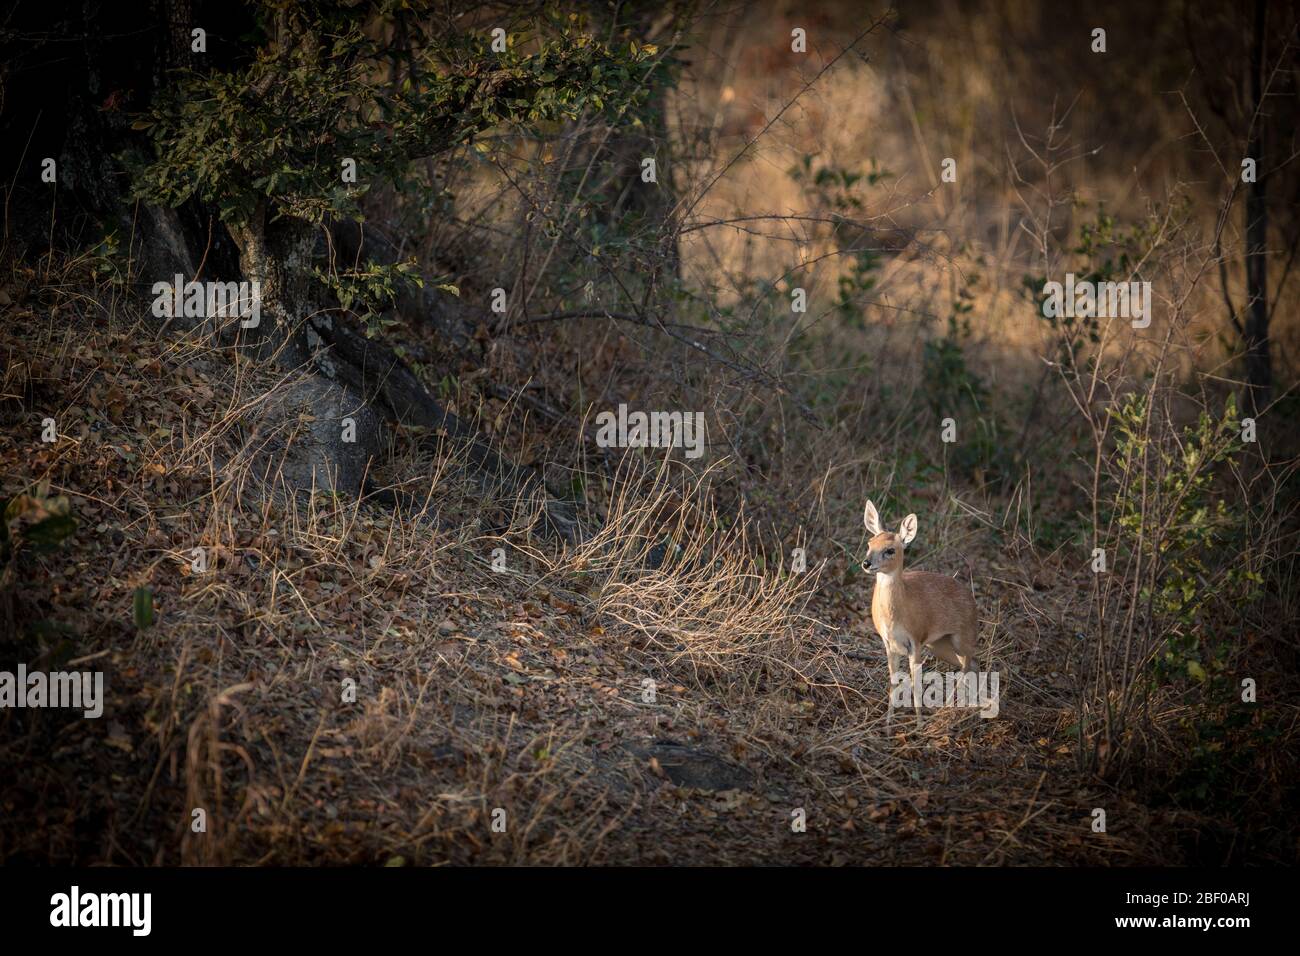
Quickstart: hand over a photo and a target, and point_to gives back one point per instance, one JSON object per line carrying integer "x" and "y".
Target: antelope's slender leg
{"x": 914, "y": 660}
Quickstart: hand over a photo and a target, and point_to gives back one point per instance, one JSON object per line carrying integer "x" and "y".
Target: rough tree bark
{"x": 278, "y": 257}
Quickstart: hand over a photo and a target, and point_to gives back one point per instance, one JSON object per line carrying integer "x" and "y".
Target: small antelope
{"x": 915, "y": 609}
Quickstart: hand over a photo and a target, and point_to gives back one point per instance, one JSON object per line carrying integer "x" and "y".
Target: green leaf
{"x": 142, "y": 608}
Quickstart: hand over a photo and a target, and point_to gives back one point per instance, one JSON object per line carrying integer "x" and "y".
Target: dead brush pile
{"x": 698, "y": 589}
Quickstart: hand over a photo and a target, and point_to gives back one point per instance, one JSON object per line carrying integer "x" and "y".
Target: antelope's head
{"x": 885, "y": 549}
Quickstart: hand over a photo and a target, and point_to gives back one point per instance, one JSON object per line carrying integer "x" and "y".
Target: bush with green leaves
{"x": 1187, "y": 541}
{"x": 267, "y": 142}
{"x": 373, "y": 288}
{"x": 279, "y": 129}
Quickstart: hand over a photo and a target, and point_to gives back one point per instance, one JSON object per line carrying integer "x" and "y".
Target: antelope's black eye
{"x": 889, "y": 552}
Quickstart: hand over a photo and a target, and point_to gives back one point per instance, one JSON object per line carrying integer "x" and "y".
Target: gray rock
{"x": 303, "y": 427}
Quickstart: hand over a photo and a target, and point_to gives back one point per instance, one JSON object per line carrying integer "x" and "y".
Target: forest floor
{"x": 499, "y": 716}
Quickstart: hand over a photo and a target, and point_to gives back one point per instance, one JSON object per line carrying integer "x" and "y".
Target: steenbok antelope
{"x": 916, "y": 609}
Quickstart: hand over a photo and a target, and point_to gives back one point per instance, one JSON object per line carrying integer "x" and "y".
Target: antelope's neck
{"x": 889, "y": 587}
{"x": 889, "y": 583}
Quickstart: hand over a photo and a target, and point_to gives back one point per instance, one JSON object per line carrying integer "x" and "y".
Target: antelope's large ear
{"x": 907, "y": 530}
{"x": 871, "y": 519}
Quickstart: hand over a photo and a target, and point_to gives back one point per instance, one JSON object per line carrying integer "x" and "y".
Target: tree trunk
{"x": 277, "y": 256}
